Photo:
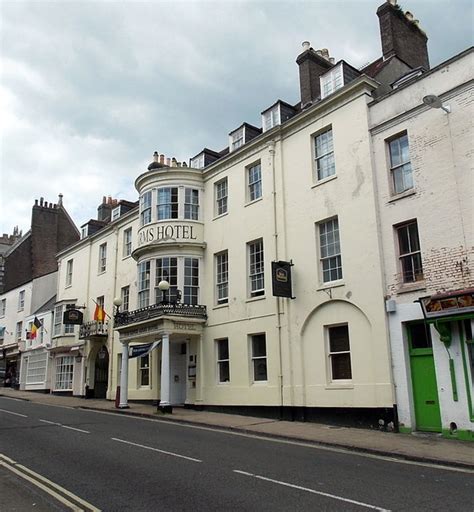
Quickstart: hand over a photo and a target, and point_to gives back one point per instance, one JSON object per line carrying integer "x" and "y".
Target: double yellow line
{"x": 62, "y": 495}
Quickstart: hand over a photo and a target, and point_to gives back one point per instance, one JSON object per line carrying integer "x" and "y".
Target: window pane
{"x": 341, "y": 366}
{"x": 223, "y": 349}
{"x": 224, "y": 371}
{"x": 339, "y": 338}
{"x": 259, "y": 345}
{"x": 419, "y": 335}
{"x": 260, "y": 369}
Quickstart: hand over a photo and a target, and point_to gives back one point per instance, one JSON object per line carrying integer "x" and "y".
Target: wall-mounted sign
{"x": 142, "y": 350}
{"x": 448, "y": 304}
{"x": 160, "y": 233}
{"x": 281, "y": 279}
{"x": 72, "y": 317}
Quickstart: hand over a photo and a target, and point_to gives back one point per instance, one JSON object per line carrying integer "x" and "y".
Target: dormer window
{"x": 271, "y": 118}
{"x": 237, "y": 139}
{"x": 115, "y": 213}
{"x": 84, "y": 232}
{"x": 332, "y": 80}
{"x": 198, "y": 162}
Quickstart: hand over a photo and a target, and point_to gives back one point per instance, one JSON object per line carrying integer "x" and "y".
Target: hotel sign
{"x": 169, "y": 232}
{"x": 281, "y": 279}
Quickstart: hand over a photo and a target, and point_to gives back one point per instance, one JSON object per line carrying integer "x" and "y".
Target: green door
{"x": 423, "y": 378}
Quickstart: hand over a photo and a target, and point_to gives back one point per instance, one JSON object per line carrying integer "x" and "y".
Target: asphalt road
{"x": 120, "y": 463}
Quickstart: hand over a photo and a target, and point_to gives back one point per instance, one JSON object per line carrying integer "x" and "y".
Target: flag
{"x": 99, "y": 313}
{"x": 35, "y": 327}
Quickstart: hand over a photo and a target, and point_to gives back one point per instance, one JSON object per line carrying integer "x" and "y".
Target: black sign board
{"x": 72, "y": 317}
{"x": 281, "y": 279}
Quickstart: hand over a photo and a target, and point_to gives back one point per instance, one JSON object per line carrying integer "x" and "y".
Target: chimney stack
{"x": 401, "y": 36}
{"x": 312, "y": 64}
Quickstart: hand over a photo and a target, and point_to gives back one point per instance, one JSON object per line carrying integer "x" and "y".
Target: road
{"x": 120, "y": 463}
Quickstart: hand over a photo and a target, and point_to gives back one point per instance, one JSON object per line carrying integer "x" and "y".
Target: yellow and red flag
{"x": 99, "y": 313}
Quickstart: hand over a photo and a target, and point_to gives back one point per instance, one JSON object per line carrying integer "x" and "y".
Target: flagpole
{"x": 103, "y": 309}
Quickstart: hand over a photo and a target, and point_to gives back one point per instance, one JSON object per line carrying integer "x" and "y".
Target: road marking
{"x": 313, "y": 446}
{"x": 320, "y": 493}
{"x": 76, "y": 429}
{"x": 14, "y": 413}
{"x": 48, "y": 486}
{"x": 156, "y": 450}
{"x": 65, "y": 426}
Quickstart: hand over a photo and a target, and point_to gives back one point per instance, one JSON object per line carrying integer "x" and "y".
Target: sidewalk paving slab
{"x": 430, "y": 448}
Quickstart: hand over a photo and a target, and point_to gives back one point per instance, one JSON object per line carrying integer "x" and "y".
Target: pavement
{"x": 428, "y": 448}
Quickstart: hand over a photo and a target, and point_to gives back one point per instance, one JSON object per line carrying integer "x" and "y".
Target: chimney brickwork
{"x": 311, "y": 67}
{"x": 401, "y": 36}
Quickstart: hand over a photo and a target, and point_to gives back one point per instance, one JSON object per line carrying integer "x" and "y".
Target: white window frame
{"x": 115, "y": 213}
{"x": 401, "y": 172}
{"x": 102, "y": 258}
{"x": 197, "y": 162}
{"x": 191, "y": 278}
{"x": 333, "y": 354}
{"x": 330, "y": 254}
{"x": 256, "y": 268}
{"x": 413, "y": 255}
{"x": 3, "y": 307}
{"x": 191, "y": 204}
{"x": 255, "y": 359}
{"x": 324, "y": 163}
{"x": 18, "y": 330}
{"x": 64, "y": 373}
{"x": 21, "y": 300}
{"x": 127, "y": 242}
{"x": 254, "y": 182}
{"x": 331, "y": 81}
{"x": 167, "y": 209}
{"x": 69, "y": 270}
{"x": 143, "y": 283}
{"x": 237, "y": 139}
{"x": 222, "y": 277}
{"x": 144, "y": 368}
{"x": 84, "y": 232}
{"x": 146, "y": 201}
{"x": 221, "y": 193}
{"x": 271, "y": 118}
{"x": 125, "y": 295}
{"x": 222, "y": 361}
{"x": 166, "y": 269}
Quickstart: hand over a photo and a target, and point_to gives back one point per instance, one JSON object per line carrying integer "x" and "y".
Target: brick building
{"x": 30, "y": 282}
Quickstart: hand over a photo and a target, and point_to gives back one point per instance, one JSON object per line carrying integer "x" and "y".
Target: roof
{"x": 47, "y": 306}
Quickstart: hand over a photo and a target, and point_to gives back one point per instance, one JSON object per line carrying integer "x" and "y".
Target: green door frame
{"x": 432, "y": 405}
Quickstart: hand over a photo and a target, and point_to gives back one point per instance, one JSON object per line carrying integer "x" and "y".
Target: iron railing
{"x": 158, "y": 310}
{"x": 94, "y": 328}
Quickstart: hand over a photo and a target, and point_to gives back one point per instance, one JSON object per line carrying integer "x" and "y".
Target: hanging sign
{"x": 281, "y": 279}
{"x": 448, "y": 304}
{"x": 72, "y": 317}
{"x": 142, "y": 350}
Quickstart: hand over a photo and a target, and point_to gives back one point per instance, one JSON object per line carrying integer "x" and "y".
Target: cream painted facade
{"x": 286, "y": 218}
{"x": 440, "y": 204}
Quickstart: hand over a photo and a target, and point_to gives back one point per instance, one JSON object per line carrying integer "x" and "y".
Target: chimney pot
{"x": 409, "y": 16}
{"x": 41, "y": 201}
{"x": 184, "y": 164}
{"x": 325, "y": 53}
{"x": 162, "y": 159}
{"x": 60, "y": 202}
{"x": 306, "y": 45}
{"x": 168, "y": 162}
{"x": 393, "y": 2}
{"x": 332, "y": 60}
{"x": 36, "y": 202}
{"x": 155, "y": 156}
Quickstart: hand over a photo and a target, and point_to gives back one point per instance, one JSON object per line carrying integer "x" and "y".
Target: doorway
{"x": 177, "y": 373}
{"x": 101, "y": 372}
{"x": 423, "y": 378}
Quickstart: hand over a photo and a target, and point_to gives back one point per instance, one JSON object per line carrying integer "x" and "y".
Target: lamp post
{"x": 164, "y": 286}
{"x": 117, "y": 304}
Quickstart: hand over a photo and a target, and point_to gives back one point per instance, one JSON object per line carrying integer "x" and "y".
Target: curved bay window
{"x": 167, "y": 203}
{"x": 145, "y": 208}
{"x": 182, "y": 273}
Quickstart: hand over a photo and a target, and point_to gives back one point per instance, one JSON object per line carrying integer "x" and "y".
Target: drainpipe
{"x": 112, "y": 320}
{"x": 271, "y": 150}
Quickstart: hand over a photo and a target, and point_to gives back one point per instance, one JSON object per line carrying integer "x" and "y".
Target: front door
{"x": 177, "y": 373}
{"x": 101, "y": 371}
{"x": 423, "y": 377}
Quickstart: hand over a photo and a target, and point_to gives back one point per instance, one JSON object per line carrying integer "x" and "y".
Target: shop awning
{"x": 455, "y": 305}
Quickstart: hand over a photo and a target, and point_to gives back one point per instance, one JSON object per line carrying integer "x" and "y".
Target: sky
{"x": 90, "y": 89}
